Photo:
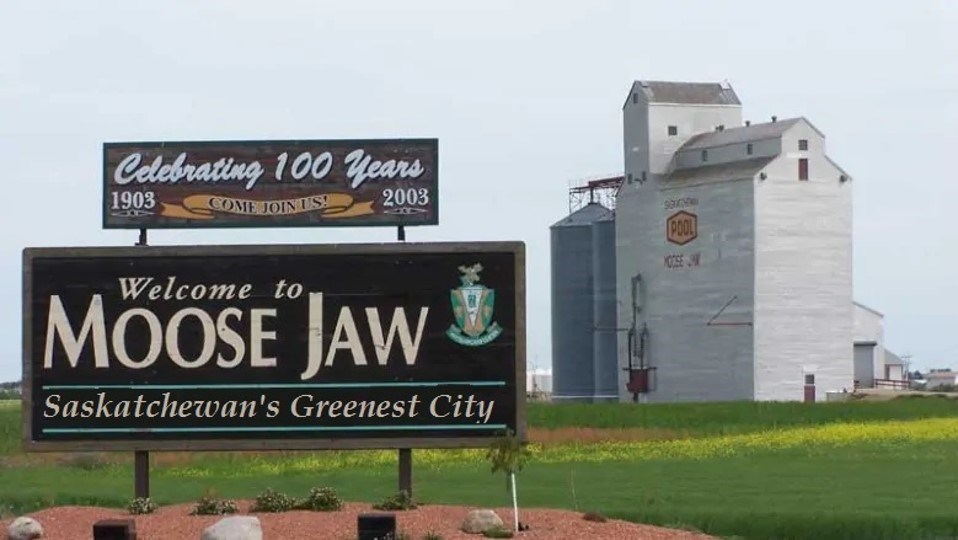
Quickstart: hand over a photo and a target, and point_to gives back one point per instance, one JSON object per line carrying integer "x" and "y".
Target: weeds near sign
{"x": 208, "y": 505}
{"x": 271, "y": 500}
{"x": 399, "y": 501}
{"x": 509, "y": 455}
{"x": 141, "y": 505}
{"x": 321, "y": 499}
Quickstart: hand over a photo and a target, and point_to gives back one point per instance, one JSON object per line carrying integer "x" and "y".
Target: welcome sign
{"x": 273, "y": 347}
{"x": 323, "y": 183}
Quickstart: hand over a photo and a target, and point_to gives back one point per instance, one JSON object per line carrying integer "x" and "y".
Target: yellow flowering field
{"x": 811, "y": 438}
{"x": 843, "y": 434}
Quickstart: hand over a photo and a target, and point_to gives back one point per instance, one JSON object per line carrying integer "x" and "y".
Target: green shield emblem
{"x": 473, "y": 306}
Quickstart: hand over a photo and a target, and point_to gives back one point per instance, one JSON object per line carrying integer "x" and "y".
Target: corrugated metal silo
{"x": 604, "y": 339}
{"x": 573, "y": 367}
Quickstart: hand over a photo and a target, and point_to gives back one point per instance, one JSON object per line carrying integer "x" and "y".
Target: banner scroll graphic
{"x": 333, "y": 205}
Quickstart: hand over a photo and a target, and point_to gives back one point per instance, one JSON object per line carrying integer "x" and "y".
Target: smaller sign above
{"x": 322, "y": 183}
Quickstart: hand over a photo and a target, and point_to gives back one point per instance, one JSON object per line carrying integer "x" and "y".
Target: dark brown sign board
{"x": 399, "y": 345}
{"x": 314, "y": 183}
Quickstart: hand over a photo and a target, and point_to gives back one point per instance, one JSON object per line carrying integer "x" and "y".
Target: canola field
{"x": 867, "y": 470}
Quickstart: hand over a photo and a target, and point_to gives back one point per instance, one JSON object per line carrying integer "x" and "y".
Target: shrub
{"x": 141, "y": 505}
{"x": 208, "y": 505}
{"x": 273, "y": 501}
{"x": 321, "y": 499}
{"x": 509, "y": 454}
{"x": 432, "y": 536}
{"x": 400, "y": 501}
{"x": 594, "y": 516}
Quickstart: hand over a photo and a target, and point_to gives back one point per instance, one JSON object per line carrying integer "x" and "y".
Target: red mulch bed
{"x": 174, "y": 522}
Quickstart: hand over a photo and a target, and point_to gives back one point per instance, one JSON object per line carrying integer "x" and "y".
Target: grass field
{"x": 867, "y": 470}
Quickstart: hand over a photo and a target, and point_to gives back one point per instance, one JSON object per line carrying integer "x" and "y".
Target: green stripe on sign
{"x": 265, "y": 428}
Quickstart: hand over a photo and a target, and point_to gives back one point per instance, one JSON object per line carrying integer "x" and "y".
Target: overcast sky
{"x": 524, "y": 98}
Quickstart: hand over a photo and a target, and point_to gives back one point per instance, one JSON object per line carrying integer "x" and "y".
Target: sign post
{"x": 160, "y": 348}
{"x": 141, "y": 458}
{"x": 405, "y": 454}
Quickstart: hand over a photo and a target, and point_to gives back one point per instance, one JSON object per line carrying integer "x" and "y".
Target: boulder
{"x": 479, "y": 521}
{"x": 24, "y": 528}
{"x": 234, "y": 528}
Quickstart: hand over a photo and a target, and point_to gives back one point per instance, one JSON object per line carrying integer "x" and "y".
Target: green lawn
{"x": 791, "y": 494}
{"x": 868, "y": 490}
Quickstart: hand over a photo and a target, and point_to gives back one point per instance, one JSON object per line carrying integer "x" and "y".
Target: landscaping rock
{"x": 234, "y": 528}
{"x": 24, "y": 528}
{"x": 479, "y": 521}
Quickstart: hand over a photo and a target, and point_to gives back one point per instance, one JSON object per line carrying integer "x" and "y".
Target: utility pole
{"x": 906, "y": 358}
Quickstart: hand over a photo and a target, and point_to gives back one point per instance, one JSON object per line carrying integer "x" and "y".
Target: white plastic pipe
{"x": 515, "y": 501}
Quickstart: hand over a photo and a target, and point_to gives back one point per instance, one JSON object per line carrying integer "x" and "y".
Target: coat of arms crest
{"x": 473, "y": 305}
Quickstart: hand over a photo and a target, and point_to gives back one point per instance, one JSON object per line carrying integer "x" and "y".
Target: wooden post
{"x": 405, "y": 454}
{"x": 141, "y": 474}
{"x": 141, "y": 458}
{"x": 405, "y": 471}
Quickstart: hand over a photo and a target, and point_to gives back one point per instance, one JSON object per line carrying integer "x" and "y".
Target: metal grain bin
{"x": 573, "y": 314}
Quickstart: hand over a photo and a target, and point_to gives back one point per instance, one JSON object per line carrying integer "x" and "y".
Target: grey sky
{"x": 523, "y": 96}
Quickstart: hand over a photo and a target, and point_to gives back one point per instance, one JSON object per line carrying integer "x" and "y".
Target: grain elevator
{"x": 732, "y": 260}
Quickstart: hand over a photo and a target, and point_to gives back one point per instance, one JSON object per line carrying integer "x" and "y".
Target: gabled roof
{"x": 892, "y": 359}
{"x": 738, "y": 135}
{"x": 686, "y": 93}
{"x": 841, "y": 170}
{"x": 733, "y": 170}
{"x": 586, "y": 215}
{"x": 873, "y": 310}
{"x": 744, "y": 134}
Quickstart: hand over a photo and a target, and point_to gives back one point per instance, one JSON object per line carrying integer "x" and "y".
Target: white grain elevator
{"x": 733, "y": 252}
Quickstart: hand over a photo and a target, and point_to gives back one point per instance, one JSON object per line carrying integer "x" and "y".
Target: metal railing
{"x": 894, "y": 384}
